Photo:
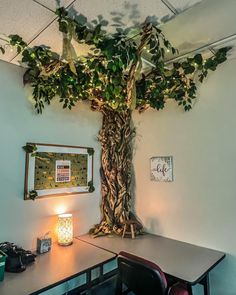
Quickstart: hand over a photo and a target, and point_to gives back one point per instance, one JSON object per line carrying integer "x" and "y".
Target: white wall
{"x": 22, "y": 221}
{"x": 199, "y": 206}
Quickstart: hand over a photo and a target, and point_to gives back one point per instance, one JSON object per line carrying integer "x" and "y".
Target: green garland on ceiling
{"x": 110, "y": 73}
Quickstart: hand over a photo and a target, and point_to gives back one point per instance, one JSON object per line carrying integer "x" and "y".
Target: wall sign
{"x": 53, "y": 170}
{"x": 63, "y": 171}
{"x": 162, "y": 168}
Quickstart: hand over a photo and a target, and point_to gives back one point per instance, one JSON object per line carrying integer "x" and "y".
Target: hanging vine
{"x": 110, "y": 77}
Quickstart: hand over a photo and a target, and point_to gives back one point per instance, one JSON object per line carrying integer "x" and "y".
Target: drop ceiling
{"x": 189, "y": 24}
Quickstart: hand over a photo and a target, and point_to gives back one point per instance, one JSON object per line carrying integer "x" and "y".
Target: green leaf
{"x": 189, "y": 70}
{"x": 30, "y": 148}
{"x": 176, "y": 65}
{"x": 168, "y": 73}
{"x": 91, "y": 187}
{"x": 61, "y": 12}
{"x": 198, "y": 59}
{"x": 33, "y": 194}
{"x": 63, "y": 26}
{"x": 210, "y": 64}
{"x": 90, "y": 151}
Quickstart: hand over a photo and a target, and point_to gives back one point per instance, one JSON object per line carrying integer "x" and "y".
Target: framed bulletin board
{"x": 56, "y": 170}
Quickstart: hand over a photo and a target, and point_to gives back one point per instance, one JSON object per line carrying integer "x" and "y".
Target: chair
{"x": 143, "y": 277}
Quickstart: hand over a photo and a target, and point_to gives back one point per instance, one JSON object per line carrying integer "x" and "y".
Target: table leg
{"x": 190, "y": 290}
{"x": 89, "y": 282}
{"x": 118, "y": 290}
{"x": 206, "y": 285}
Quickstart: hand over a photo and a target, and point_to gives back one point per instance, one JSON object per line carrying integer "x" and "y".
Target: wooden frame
{"x": 46, "y": 175}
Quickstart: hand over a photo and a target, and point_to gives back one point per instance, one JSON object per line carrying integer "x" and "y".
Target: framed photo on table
{"x": 56, "y": 170}
{"x": 162, "y": 168}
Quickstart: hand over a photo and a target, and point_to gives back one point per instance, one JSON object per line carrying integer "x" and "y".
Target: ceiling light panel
{"x": 25, "y": 18}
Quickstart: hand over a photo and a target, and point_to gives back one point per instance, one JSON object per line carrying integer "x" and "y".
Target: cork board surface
{"x": 45, "y": 170}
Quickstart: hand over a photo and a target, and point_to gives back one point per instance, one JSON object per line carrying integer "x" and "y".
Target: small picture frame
{"x": 44, "y": 245}
{"x": 162, "y": 168}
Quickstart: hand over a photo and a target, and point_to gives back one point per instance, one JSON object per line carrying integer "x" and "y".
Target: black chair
{"x": 143, "y": 277}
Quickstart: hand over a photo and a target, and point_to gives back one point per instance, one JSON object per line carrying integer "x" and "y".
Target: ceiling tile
{"x": 25, "y": 18}
{"x": 54, "y": 4}
{"x": 127, "y": 13}
{"x": 199, "y": 26}
{"x": 181, "y": 5}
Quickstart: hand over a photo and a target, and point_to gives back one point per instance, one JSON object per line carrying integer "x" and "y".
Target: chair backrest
{"x": 141, "y": 276}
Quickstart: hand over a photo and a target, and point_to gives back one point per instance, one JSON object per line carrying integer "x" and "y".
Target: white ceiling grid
{"x": 54, "y": 4}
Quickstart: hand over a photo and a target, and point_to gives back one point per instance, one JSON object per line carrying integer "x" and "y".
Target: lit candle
{"x": 65, "y": 229}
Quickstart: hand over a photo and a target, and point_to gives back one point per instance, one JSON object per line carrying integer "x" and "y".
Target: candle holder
{"x": 65, "y": 230}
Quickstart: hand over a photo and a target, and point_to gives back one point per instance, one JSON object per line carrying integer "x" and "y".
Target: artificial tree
{"x": 111, "y": 78}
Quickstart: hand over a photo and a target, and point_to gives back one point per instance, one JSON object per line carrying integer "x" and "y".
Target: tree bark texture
{"x": 116, "y": 136}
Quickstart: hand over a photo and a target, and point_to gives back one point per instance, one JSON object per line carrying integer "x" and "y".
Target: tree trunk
{"x": 116, "y": 137}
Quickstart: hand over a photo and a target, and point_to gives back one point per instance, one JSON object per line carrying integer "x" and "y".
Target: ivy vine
{"x": 91, "y": 187}
{"x": 33, "y": 194}
{"x": 90, "y": 151}
{"x": 30, "y": 149}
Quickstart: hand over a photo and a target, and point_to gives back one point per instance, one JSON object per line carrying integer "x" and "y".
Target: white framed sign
{"x": 162, "y": 168}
